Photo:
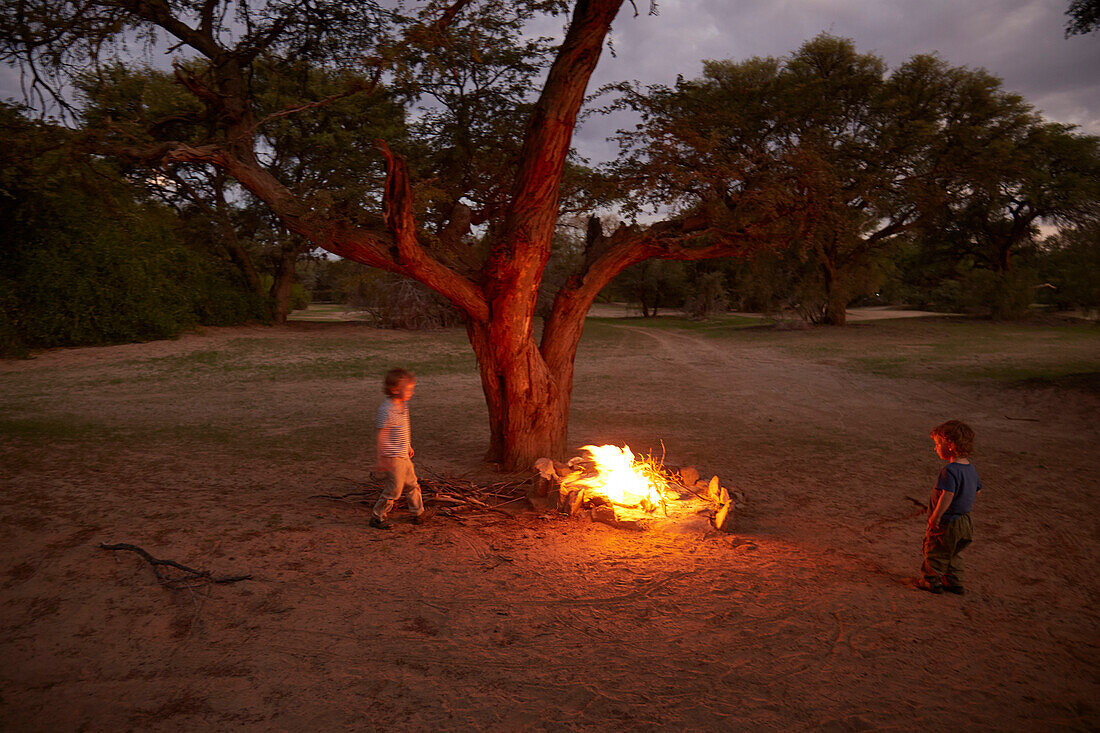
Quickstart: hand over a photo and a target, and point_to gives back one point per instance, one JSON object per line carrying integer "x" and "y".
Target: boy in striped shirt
{"x": 395, "y": 450}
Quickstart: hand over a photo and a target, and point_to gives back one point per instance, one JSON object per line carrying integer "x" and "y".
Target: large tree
{"x": 1046, "y": 173}
{"x": 527, "y": 381}
{"x": 882, "y": 152}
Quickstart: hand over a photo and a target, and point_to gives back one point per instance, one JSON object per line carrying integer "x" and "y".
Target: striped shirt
{"x": 393, "y": 421}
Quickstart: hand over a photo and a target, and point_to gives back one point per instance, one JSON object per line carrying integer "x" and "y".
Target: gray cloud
{"x": 1020, "y": 41}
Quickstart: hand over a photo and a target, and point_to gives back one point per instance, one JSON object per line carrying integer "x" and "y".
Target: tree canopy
{"x": 880, "y": 154}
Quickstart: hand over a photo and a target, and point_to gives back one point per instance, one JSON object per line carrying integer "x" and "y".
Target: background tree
{"x": 1084, "y": 17}
{"x": 323, "y": 148}
{"x": 87, "y": 261}
{"x": 527, "y": 383}
{"x": 1030, "y": 172}
{"x": 880, "y": 152}
{"x": 1069, "y": 269}
{"x": 651, "y": 285}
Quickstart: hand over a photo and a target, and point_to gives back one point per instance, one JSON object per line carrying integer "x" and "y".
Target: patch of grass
{"x": 886, "y": 366}
{"x": 941, "y": 348}
{"x": 54, "y": 429}
{"x": 267, "y": 359}
{"x": 716, "y": 326}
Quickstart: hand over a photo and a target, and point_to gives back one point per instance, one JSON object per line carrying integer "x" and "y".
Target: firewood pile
{"x": 564, "y": 487}
{"x": 453, "y": 496}
{"x": 456, "y": 496}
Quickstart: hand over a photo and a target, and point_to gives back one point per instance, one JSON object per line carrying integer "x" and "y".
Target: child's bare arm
{"x": 937, "y": 511}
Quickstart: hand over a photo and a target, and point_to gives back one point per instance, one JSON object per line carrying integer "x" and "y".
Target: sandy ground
{"x": 805, "y": 619}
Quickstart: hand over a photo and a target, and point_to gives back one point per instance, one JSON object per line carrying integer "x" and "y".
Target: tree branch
{"x": 356, "y": 88}
{"x": 159, "y": 13}
{"x": 414, "y": 260}
{"x": 532, "y": 212}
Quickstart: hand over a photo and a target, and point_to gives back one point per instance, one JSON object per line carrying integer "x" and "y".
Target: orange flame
{"x": 620, "y": 477}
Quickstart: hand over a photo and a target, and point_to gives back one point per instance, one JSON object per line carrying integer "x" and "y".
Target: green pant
{"x": 942, "y": 545}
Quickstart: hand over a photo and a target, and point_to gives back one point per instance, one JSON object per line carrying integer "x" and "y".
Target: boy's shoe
{"x": 926, "y": 584}
{"x": 953, "y": 588}
{"x": 379, "y": 523}
{"x": 425, "y": 516}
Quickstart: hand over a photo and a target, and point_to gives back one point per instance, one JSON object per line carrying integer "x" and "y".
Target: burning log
{"x": 712, "y": 489}
{"x": 609, "y": 479}
{"x": 723, "y": 518}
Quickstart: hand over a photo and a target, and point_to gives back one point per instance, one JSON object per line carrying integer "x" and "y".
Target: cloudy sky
{"x": 1020, "y": 41}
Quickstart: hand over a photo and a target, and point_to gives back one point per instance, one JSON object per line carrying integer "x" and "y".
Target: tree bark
{"x": 527, "y": 396}
{"x": 836, "y": 301}
{"x": 283, "y": 284}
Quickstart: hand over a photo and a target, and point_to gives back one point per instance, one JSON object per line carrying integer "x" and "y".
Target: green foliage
{"x": 1000, "y": 295}
{"x": 652, "y": 284}
{"x": 863, "y": 157}
{"x": 325, "y": 149}
{"x": 1069, "y": 266}
{"x": 85, "y": 261}
{"x": 707, "y": 295}
{"x": 479, "y": 85}
{"x": 1084, "y": 17}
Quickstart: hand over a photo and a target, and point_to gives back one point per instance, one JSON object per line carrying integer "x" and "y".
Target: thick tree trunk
{"x": 281, "y": 287}
{"x": 528, "y": 402}
{"x": 836, "y": 299}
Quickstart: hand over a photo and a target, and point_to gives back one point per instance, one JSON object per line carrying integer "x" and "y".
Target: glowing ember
{"x": 621, "y": 478}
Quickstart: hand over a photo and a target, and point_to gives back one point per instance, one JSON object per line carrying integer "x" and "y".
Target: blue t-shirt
{"x": 960, "y": 479}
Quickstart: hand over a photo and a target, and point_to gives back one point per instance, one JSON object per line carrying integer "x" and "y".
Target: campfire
{"x": 618, "y": 488}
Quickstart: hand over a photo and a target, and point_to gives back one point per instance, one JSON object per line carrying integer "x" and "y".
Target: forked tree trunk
{"x": 527, "y": 385}
{"x": 528, "y": 403}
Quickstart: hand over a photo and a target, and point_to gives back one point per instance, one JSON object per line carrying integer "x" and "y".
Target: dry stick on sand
{"x": 187, "y": 580}
{"x": 459, "y": 493}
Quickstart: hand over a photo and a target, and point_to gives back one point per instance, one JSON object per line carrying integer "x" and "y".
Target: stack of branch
{"x": 453, "y": 496}
{"x": 457, "y": 495}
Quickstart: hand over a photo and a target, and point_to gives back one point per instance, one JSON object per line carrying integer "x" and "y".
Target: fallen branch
{"x": 181, "y": 581}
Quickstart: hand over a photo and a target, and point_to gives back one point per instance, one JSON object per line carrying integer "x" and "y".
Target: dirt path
{"x": 804, "y": 619}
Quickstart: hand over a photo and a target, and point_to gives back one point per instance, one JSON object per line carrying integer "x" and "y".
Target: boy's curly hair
{"x": 958, "y": 435}
{"x": 395, "y": 378}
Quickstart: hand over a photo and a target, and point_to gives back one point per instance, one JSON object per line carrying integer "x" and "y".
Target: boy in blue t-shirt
{"x": 949, "y": 528}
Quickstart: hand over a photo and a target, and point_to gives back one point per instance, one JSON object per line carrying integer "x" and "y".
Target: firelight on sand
{"x": 620, "y": 477}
